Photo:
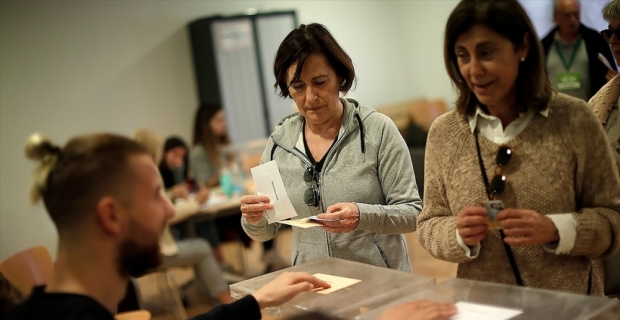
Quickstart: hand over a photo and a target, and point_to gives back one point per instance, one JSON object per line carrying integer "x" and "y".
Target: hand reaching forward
{"x": 285, "y": 287}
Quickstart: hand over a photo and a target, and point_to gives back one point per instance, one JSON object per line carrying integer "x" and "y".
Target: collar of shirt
{"x": 557, "y": 38}
{"x": 491, "y": 127}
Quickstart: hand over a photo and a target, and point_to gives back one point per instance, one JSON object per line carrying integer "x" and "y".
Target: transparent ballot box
{"x": 377, "y": 287}
{"x": 512, "y": 302}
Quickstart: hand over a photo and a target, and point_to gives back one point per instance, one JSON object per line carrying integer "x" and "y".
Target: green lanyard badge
{"x": 568, "y": 80}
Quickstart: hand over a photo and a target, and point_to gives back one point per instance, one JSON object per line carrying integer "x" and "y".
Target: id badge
{"x": 569, "y": 81}
{"x": 493, "y": 208}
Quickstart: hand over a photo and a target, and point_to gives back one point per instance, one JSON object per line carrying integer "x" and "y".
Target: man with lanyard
{"x": 572, "y": 50}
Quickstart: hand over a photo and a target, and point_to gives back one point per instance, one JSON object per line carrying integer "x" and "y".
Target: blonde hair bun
{"x": 39, "y": 147}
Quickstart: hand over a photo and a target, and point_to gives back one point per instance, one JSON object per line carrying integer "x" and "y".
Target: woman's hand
{"x": 472, "y": 224}
{"x": 527, "y": 227}
{"x": 610, "y": 75}
{"x": 203, "y": 194}
{"x": 253, "y": 208}
{"x": 180, "y": 191}
{"x": 347, "y": 214}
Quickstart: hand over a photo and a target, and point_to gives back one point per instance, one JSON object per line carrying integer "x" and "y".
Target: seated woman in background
{"x": 173, "y": 168}
{"x": 194, "y": 252}
{"x": 210, "y": 137}
{"x": 512, "y": 138}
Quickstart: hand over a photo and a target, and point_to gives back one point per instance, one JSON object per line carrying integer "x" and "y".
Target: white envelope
{"x": 268, "y": 182}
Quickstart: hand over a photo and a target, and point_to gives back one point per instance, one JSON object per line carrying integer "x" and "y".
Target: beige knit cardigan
{"x": 561, "y": 164}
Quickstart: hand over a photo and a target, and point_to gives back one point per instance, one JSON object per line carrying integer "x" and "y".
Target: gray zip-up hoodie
{"x": 368, "y": 165}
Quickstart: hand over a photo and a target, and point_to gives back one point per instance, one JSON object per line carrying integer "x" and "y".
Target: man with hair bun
{"x": 104, "y": 195}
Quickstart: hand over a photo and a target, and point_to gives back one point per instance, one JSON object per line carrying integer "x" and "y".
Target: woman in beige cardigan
{"x": 605, "y": 103}
{"x": 512, "y": 139}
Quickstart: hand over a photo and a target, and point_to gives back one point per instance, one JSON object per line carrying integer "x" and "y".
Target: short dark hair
{"x": 509, "y": 19}
{"x": 72, "y": 179}
{"x": 304, "y": 41}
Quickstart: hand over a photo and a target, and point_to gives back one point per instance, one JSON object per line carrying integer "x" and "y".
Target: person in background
{"x": 572, "y": 50}
{"x": 173, "y": 168}
{"x": 605, "y": 102}
{"x": 513, "y": 139}
{"x": 195, "y": 252}
{"x": 10, "y": 296}
{"x": 210, "y": 138}
{"x": 339, "y": 160}
{"x": 103, "y": 193}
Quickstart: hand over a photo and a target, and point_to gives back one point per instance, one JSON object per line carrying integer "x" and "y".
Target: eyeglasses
{"x": 499, "y": 180}
{"x": 312, "y": 196}
{"x": 608, "y": 33}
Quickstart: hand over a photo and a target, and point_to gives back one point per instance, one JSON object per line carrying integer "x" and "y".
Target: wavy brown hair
{"x": 509, "y": 19}
{"x": 204, "y": 136}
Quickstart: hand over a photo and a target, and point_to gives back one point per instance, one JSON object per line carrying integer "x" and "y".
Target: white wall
{"x": 72, "y": 67}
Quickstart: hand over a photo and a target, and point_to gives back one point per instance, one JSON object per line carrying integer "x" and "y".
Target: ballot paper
{"x": 473, "y": 311}
{"x": 336, "y": 282}
{"x": 304, "y": 223}
{"x": 314, "y": 218}
{"x": 268, "y": 182}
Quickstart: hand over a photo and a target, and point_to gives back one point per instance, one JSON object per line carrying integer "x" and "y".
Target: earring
{"x": 522, "y": 59}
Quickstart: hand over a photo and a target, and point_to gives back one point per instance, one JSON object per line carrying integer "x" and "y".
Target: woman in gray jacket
{"x": 339, "y": 160}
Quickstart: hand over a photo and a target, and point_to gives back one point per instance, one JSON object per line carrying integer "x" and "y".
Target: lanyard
{"x": 569, "y": 64}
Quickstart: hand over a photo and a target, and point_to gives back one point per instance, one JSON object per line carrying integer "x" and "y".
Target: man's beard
{"x": 136, "y": 258}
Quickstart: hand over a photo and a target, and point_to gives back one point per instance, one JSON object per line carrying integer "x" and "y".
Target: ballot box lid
{"x": 378, "y": 286}
{"x": 523, "y": 303}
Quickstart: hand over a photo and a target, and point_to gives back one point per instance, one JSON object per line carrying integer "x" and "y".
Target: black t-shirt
{"x": 66, "y": 306}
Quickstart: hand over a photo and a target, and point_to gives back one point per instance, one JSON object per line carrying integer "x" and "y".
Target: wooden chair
{"x": 29, "y": 268}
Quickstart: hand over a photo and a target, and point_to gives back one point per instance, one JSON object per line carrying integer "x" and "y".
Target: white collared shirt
{"x": 491, "y": 128}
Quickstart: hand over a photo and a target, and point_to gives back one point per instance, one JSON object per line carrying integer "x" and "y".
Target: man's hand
{"x": 285, "y": 287}
{"x": 420, "y": 310}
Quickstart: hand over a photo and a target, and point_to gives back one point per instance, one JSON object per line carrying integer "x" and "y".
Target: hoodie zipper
{"x": 306, "y": 161}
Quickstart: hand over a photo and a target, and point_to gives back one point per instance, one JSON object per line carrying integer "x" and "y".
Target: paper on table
{"x": 336, "y": 282}
{"x": 304, "y": 223}
{"x": 473, "y": 311}
{"x": 269, "y": 183}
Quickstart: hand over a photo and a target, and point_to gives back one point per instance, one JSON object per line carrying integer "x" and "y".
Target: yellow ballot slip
{"x": 336, "y": 282}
